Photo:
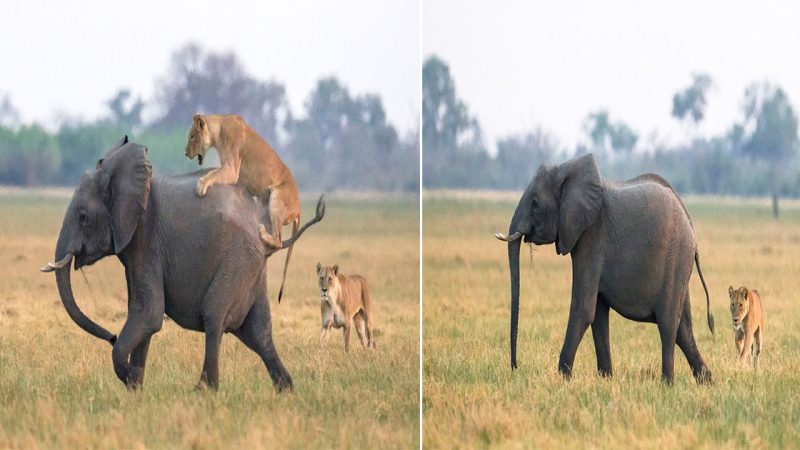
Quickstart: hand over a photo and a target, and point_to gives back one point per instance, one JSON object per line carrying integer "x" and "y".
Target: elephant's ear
{"x": 129, "y": 173}
{"x": 580, "y": 200}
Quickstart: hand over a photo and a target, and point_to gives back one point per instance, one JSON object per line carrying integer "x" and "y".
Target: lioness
{"x": 344, "y": 300}
{"x": 748, "y": 322}
{"x": 247, "y": 159}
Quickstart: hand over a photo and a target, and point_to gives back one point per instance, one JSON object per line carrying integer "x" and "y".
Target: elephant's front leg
{"x": 145, "y": 317}
{"x": 581, "y": 314}
{"x": 585, "y": 279}
{"x": 135, "y": 335}
{"x": 139, "y": 360}
{"x": 602, "y": 346}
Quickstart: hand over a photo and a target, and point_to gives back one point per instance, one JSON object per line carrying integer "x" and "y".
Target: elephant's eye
{"x": 82, "y": 218}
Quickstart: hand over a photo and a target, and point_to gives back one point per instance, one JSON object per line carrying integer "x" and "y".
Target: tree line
{"x": 756, "y": 156}
{"x": 340, "y": 141}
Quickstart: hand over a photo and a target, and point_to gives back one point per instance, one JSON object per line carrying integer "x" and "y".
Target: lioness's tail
{"x": 295, "y": 226}
{"x": 705, "y": 288}
{"x": 368, "y": 313}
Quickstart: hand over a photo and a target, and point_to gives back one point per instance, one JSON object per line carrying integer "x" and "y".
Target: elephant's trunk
{"x": 513, "y": 264}
{"x": 513, "y": 267}
{"x": 62, "y": 269}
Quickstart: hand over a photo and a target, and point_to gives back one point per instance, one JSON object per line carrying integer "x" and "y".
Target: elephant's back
{"x": 200, "y": 236}
{"x": 224, "y": 206}
{"x": 650, "y": 214}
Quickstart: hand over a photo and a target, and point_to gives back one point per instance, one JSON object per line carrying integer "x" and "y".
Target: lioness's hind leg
{"x": 359, "y": 322}
{"x": 757, "y": 347}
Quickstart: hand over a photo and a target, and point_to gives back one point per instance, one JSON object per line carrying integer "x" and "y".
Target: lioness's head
{"x": 199, "y": 139}
{"x": 740, "y": 305}
{"x": 327, "y": 279}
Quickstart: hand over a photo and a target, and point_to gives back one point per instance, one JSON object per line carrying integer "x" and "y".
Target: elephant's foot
{"x": 703, "y": 376}
{"x": 284, "y": 384}
{"x": 604, "y": 372}
{"x": 135, "y": 378}
{"x": 204, "y": 384}
{"x": 565, "y": 370}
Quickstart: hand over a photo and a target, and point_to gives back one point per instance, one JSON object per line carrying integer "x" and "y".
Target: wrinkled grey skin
{"x": 199, "y": 260}
{"x": 632, "y": 247}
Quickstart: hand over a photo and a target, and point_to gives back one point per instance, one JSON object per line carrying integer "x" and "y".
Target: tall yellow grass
{"x": 471, "y": 398}
{"x": 58, "y": 388}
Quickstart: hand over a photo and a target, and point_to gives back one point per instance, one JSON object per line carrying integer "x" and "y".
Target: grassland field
{"x": 472, "y": 399}
{"x": 57, "y": 384}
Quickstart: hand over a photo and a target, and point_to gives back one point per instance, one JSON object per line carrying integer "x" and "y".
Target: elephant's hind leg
{"x": 668, "y": 317}
{"x": 256, "y": 334}
{"x": 602, "y": 345}
{"x": 210, "y": 375}
{"x": 685, "y": 340}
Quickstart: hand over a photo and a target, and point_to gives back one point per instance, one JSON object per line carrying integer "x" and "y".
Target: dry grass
{"x": 58, "y": 388}
{"x": 472, "y": 399}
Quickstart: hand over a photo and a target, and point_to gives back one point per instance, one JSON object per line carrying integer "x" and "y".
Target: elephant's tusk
{"x": 57, "y": 265}
{"x": 512, "y": 238}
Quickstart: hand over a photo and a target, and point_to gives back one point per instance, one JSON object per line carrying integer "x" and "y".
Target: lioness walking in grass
{"x": 748, "y": 322}
{"x": 345, "y": 301}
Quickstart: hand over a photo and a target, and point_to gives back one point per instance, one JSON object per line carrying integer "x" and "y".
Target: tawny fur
{"x": 248, "y": 160}
{"x": 748, "y": 323}
{"x": 345, "y": 301}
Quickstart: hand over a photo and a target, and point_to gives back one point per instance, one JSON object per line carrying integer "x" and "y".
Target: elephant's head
{"x": 558, "y": 205}
{"x": 101, "y": 220}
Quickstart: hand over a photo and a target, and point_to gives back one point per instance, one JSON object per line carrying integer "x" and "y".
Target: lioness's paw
{"x": 267, "y": 238}
{"x": 201, "y": 188}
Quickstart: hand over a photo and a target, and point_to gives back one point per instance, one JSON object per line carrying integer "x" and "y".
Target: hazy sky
{"x": 70, "y": 57}
{"x": 522, "y": 64}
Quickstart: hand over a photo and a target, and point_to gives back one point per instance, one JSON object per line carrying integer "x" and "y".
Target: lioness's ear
{"x": 336, "y": 269}
{"x": 200, "y": 121}
{"x": 730, "y": 291}
{"x": 319, "y": 267}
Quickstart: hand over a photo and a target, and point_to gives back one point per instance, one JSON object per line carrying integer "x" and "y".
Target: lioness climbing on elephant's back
{"x": 248, "y": 160}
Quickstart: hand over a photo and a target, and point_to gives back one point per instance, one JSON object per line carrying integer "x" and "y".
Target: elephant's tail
{"x": 295, "y": 226}
{"x": 705, "y": 288}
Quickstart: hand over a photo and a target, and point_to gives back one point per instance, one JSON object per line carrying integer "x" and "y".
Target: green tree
{"x": 82, "y": 144}
{"x": 346, "y": 141}
{"x": 454, "y": 154}
{"x": 607, "y": 136}
{"x": 125, "y": 111}
{"x": 518, "y": 157}
{"x": 9, "y": 116}
{"x": 692, "y": 101}
{"x": 217, "y": 83}
{"x": 29, "y": 156}
{"x": 773, "y": 139}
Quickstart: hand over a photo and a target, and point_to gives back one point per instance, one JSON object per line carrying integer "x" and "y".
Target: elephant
{"x": 632, "y": 246}
{"x": 200, "y": 261}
